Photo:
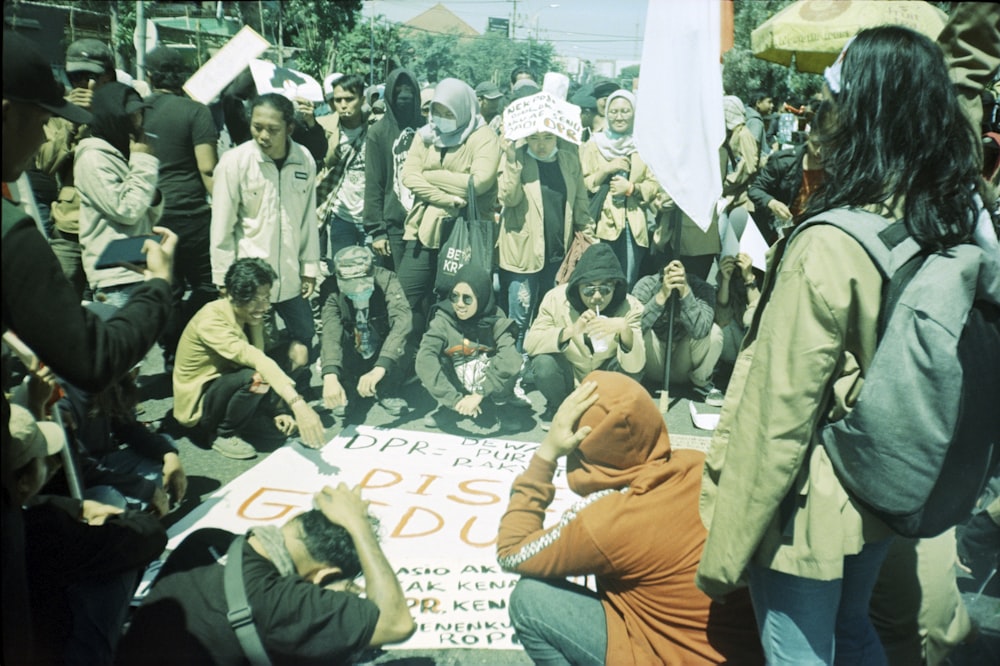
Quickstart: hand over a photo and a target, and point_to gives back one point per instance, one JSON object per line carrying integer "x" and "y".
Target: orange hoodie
{"x": 637, "y": 529}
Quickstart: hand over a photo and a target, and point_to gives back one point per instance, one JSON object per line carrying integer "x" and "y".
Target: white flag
{"x": 679, "y": 125}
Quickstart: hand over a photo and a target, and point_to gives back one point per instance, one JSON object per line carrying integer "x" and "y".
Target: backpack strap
{"x": 889, "y": 244}
{"x": 240, "y": 615}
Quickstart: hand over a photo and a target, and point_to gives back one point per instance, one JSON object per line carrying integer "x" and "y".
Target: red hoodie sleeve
{"x": 567, "y": 548}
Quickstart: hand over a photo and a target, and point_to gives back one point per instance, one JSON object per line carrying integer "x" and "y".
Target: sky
{"x": 587, "y": 29}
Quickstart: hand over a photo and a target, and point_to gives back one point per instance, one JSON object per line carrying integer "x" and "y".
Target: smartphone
{"x": 124, "y": 252}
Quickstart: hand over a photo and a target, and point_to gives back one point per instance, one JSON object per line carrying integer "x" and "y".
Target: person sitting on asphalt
{"x": 297, "y": 578}
{"x": 590, "y": 323}
{"x": 83, "y": 558}
{"x": 695, "y": 341}
{"x": 636, "y": 528}
{"x": 366, "y": 333}
{"x": 468, "y": 359}
{"x": 222, "y": 374}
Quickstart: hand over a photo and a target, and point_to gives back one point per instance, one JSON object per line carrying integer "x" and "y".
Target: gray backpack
{"x": 923, "y": 438}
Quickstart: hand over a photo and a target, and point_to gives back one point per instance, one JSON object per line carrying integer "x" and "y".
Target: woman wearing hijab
{"x": 467, "y": 354}
{"x": 454, "y": 145}
{"x": 740, "y": 153}
{"x": 611, "y": 158}
{"x": 544, "y": 201}
{"x": 116, "y": 174}
{"x": 636, "y": 529}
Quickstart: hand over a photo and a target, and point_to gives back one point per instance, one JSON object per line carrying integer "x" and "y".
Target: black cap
{"x": 489, "y": 90}
{"x": 89, "y": 55}
{"x": 28, "y": 78}
{"x": 584, "y": 100}
{"x": 605, "y": 87}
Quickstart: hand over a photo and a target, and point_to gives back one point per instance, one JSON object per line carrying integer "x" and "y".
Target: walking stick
{"x": 675, "y": 219}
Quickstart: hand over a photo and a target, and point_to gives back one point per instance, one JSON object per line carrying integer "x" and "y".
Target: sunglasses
{"x": 602, "y": 289}
{"x": 465, "y": 298}
{"x": 78, "y": 79}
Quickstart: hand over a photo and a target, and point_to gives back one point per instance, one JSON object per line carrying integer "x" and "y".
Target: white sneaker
{"x": 710, "y": 395}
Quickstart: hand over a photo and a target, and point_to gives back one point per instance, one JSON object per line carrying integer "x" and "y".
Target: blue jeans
{"x": 559, "y": 623}
{"x": 298, "y": 318}
{"x": 630, "y": 255}
{"x": 116, "y": 295}
{"x": 804, "y": 621}
{"x": 520, "y": 294}
{"x": 342, "y": 233}
{"x": 126, "y": 461}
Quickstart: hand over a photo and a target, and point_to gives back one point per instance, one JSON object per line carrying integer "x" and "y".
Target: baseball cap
{"x": 89, "y": 55}
{"x": 605, "y": 87}
{"x": 354, "y": 268}
{"x": 489, "y": 90}
{"x": 32, "y": 439}
{"x": 28, "y": 78}
{"x": 584, "y": 100}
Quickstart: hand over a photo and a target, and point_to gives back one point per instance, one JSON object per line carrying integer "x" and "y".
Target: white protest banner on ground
{"x": 210, "y": 79}
{"x": 542, "y": 112}
{"x": 439, "y": 499}
{"x": 269, "y": 78}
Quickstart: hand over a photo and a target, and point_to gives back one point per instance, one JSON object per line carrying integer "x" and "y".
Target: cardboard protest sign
{"x": 269, "y": 78}
{"x": 439, "y": 499}
{"x": 212, "y": 77}
{"x": 542, "y": 112}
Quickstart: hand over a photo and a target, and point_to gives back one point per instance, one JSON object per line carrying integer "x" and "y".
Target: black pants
{"x": 192, "y": 271}
{"x": 229, "y": 405}
{"x": 554, "y": 377}
{"x": 416, "y": 273}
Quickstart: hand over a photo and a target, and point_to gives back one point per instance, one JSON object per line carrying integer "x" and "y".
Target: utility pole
{"x": 140, "y": 51}
{"x": 513, "y": 23}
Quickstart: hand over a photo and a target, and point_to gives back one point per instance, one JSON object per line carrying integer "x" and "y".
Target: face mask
{"x": 547, "y": 158}
{"x": 361, "y": 298}
{"x": 445, "y": 125}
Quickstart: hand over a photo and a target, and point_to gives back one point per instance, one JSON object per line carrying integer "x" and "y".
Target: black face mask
{"x": 404, "y": 107}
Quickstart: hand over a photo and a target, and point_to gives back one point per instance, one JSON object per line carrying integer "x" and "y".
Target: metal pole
{"x": 371, "y": 46}
{"x": 140, "y": 31}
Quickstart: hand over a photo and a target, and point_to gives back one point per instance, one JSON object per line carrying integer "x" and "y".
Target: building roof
{"x": 439, "y": 19}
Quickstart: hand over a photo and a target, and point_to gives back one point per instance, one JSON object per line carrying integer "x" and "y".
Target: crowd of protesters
{"x": 286, "y": 236}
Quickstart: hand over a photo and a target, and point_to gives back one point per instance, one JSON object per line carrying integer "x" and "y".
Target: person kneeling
{"x": 222, "y": 374}
{"x": 637, "y": 529}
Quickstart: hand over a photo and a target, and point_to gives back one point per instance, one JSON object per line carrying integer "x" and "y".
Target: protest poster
{"x": 739, "y": 233}
{"x": 269, "y": 78}
{"x": 542, "y": 112}
{"x": 220, "y": 70}
{"x": 439, "y": 499}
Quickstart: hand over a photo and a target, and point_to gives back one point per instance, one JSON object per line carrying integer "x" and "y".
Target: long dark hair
{"x": 898, "y": 136}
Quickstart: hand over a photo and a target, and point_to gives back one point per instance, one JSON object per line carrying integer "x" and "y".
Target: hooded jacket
{"x": 449, "y": 343}
{"x": 562, "y": 306}
{"x": 388, "y": 143}
{"x": 117, "y": 188}
{"x": 635, "y": 492}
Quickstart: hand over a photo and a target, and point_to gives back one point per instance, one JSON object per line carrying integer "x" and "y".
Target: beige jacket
{"x": 521, "y": 240}
{"x": 614, "y": 218}
{"x": 436, "y": 180}
{"x": 803, "y": 360}
{"x": 555, "y": 314}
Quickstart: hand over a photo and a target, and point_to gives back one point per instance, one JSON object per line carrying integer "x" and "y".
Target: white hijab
{"x": 459, "y": 98}
{"x": 611, "y": 144}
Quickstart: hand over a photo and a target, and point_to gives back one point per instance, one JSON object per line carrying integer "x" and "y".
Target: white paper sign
{"x": 206, "y": 84}
{"x": 542, "y": 112}
{"x": 439, "y": 498}
{"x": 269, "y": 78}
{"x": 739, "y": 233}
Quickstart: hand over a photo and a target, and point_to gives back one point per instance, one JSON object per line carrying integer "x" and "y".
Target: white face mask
{"x": 544, "y": 158}
{"x": 445, "y": 125}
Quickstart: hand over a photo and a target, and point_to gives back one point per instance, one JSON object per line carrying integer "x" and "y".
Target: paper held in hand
{"x": 542, "y": 112}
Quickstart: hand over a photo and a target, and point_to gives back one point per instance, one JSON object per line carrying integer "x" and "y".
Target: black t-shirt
{"x": 553, "y": 209}
{"x": 183, "y": 620}
{"x": 180, "y": 124}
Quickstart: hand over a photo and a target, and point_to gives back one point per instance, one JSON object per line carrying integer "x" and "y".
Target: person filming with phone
{"x": 116, "y": 174}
